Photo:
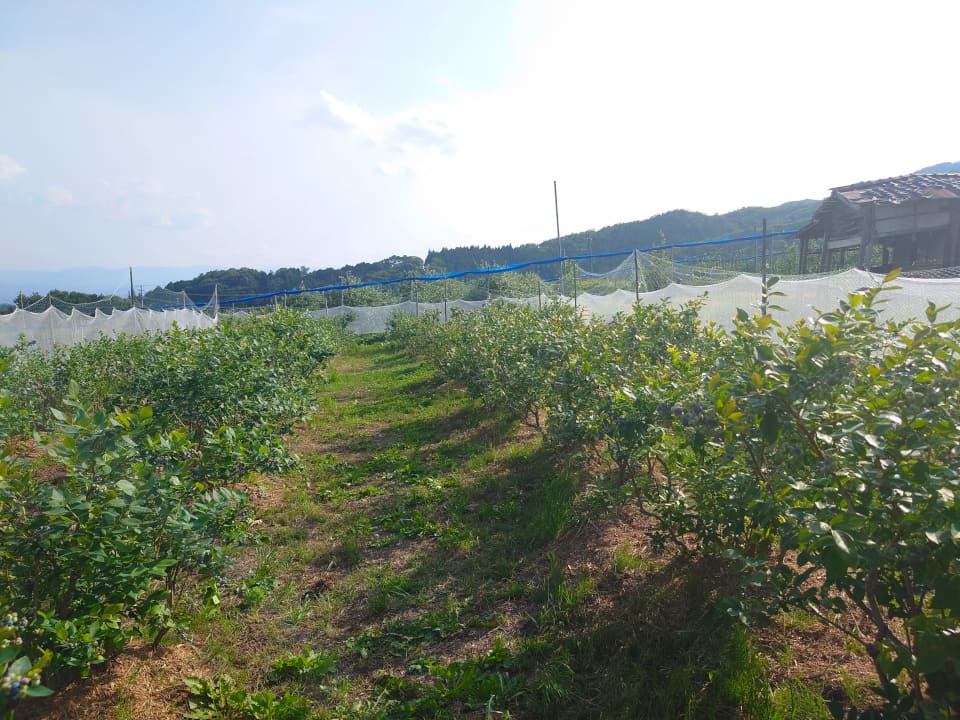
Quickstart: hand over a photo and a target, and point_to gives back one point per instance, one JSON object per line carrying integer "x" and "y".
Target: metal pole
{"x": 444, "y": 299}
{"x": 636, "y": 272}
{"x": 416, "y": 297}
{"x": 574, "y": 286}
{"x": 763, "y": 269}
{"x": 556, "y": 210}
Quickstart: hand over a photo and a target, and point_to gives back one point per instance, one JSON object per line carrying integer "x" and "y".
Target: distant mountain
{"x": 944, "y": 167}
{"x": 103, "y": 281}
{"x": 672, "y": 227}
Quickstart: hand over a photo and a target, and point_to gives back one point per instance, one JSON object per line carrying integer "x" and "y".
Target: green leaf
{"x": 817, "y": 527}
{"x": 842, "y": 541}
{"x": 769, "y": 426}
{"x": 947, "y": 594}
{"x": 38, "y": 691}
{"x": 126, "y": 487}
{"x": 20, "y": 666}
{"x": 834, "y": 562}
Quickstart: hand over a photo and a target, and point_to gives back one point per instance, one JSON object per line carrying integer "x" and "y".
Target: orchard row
{"x": 820, "y": 460}
{"x": 118, "y": 467}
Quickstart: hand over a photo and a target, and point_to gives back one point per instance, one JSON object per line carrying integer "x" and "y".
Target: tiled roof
{"x": 937, "y": 186}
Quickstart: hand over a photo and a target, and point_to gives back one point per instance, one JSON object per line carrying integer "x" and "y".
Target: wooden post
{"x": 825, "y": 250}
{"x": 866, "y": 242}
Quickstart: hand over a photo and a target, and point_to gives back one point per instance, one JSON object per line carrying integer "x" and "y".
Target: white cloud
{"x": 10, "y": 168}
{"x": 340, "y": 115}
{"x": 59, "y": 196}
{"x": 399, "y": 136}
{"x": 640, "y": 109}
{"x": 388, "y": 169}
{"x": 179, "y": 220}
{"x": 147, "y": 203}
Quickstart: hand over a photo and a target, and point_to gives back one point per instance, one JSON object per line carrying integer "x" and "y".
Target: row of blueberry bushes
{"x": 119, "y": 462}
{"x": 820, "y": 460}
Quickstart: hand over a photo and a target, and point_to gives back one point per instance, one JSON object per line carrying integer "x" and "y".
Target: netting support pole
{"x": 539, "y": 294}
{"x": 444, "y": 299}
{"x": 556, "y": 210}
{"x": 416, "y": 297}
{"x": 574, "y": 286}
{"x": 763, "y": 269}
{"x": 326, "y": 305}
{"x": 636, "y": 273}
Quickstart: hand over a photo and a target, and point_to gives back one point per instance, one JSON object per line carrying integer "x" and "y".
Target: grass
{"x": 432, "y": 560}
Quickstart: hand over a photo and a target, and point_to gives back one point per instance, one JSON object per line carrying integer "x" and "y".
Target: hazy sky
{"x": 271, "y": 134}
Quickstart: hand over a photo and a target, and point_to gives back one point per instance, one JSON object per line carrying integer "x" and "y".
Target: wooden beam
{"x": 955, "y": 237}
{"x": 825, "y": 250}
{"x": 866, "y": 245}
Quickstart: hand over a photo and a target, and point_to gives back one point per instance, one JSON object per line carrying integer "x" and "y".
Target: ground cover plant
{"x": 126, "y": 495}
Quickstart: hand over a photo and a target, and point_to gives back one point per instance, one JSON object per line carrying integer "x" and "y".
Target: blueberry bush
{"x": 820, "y": 460}
{"x": 125, "y": 497}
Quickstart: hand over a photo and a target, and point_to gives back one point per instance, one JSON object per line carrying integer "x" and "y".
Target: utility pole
{"x": 133, "y": 295}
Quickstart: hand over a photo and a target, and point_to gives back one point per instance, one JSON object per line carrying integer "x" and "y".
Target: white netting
{"x": 723, "y": 293}
{"x": 52, "y": 326}
{"x": 802, "y": 297}
{"x": 369, "y": 320}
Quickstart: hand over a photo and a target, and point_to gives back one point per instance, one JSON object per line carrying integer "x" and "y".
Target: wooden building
{"x": 911, "y": 222}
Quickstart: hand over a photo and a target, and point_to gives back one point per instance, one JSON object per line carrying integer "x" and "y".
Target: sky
{"x": 266, "y": 134}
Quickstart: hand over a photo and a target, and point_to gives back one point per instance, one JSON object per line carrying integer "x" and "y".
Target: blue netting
{"x": 501, "y": 269}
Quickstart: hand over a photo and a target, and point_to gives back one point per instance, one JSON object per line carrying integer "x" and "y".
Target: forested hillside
{"x": 672, "y": 227}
